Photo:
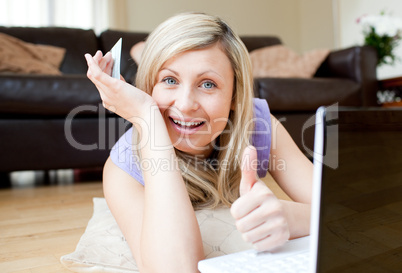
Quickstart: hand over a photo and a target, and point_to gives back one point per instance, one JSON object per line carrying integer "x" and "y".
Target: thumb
{"x": 248, "y": 170}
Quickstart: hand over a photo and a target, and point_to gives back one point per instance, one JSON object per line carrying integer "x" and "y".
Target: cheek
{"x": 160, "y": 97}
{"x": 219, "y": 115}
{"x": 156, "y": 93}
{"x": 221, "y": 105}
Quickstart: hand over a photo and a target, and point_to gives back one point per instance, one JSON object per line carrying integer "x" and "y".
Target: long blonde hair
{"x": 208, "y": 186}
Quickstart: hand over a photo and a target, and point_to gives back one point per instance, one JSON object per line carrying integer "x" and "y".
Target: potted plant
{"x": 383, "y": 32}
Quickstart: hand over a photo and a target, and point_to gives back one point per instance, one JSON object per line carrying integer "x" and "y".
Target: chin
{"x": 193, "y": 149}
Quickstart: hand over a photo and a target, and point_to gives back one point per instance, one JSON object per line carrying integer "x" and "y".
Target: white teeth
{"x": 182, "y": 123}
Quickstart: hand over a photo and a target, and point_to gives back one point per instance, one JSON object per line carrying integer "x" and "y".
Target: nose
{"x": 186, "y": 100}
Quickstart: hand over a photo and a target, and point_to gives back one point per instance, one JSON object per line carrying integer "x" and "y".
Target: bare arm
{"x": 157, "y": 220}
{"x": 125, "y": 197}
{"x": 294, "y": 176}
{"x": 170, "y": 232}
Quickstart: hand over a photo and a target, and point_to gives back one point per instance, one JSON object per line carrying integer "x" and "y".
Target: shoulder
{"x": 262, "y": 116}
{"x": 124, "y": 157}
{"x": 261, "y": 108}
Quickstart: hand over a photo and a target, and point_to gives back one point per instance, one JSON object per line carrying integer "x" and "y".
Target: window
{"x": 86, "y": 14}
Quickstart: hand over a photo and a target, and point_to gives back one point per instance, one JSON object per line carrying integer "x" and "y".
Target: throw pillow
{"x": 281, "y": 62}
{"x": 102, "y": 247}
{"x": 136, "y": 51}
{"x": 17, "y": 56}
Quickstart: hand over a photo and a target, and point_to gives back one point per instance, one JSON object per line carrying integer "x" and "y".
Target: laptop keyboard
{"x": 252, "y": 261}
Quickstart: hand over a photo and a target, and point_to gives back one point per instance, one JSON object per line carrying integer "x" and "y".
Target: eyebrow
{"x": 198, "y": 75}
{"x": 171, "y": 70}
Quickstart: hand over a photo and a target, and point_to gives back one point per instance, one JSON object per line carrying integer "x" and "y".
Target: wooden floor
{"x": 38, "y": 225}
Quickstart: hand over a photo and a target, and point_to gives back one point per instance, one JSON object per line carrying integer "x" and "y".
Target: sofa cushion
{"x": 47, "y": 95}
{"x": 297, "y": 94}
{"x": 17, "y": 56}
{"x": 77, "y": 42}
{"x": 282, "y": 62}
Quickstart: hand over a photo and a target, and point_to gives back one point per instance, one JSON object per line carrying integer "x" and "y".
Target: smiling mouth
{"x": 189, "y": 124}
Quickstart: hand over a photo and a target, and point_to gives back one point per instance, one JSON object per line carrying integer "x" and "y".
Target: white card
{"x": 116, "y": 55}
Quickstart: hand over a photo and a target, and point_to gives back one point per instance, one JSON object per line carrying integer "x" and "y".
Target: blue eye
{"x": 169, "y": 81}
{"x": 208, "y": 85}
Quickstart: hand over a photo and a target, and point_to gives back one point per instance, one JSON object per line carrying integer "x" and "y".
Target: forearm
{"x": 170, "y": 237}
{"x": 298, "y": 217}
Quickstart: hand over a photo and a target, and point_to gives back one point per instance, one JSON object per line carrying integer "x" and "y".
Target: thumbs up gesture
{"x": 248, "y": 170}
{"x": 258, "y": 213}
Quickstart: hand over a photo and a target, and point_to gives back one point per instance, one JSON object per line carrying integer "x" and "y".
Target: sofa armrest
{"x": 259, "y": 41}
{"x": 306, "y": 95}
{"x": 357, "y": 63}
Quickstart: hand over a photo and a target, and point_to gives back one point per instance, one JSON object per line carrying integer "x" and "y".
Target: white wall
{"x": 316, "y": 24}
{"x": 301, "y": 24}
{"x": 350, "y": 33}
{"x": 246, "y": 17}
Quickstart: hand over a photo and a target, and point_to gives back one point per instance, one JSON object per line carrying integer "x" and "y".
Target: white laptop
{"x": 356, "y": 218}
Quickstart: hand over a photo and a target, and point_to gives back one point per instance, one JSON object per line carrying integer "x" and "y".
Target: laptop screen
{"x": 361, "y": 192}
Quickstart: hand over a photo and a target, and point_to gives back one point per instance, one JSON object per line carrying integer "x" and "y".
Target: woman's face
{"x": 194, "y": 93}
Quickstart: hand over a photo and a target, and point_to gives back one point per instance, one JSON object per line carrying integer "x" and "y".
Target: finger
{"x": 249, "y": 222}
{"x": 276, "y": 238}
{"x": 108, "y": 56}
{"x": 102, "y": 82}
{"x": 96, "y": 75}
{"x": 104, "y": 62}
{"x": 271, "y": 225}
{"x": 258, "y": 216}
{"x": 244, "y": 205}
{"x": 98, "y": 56}
{"x": 108, "y": 60}
{"x": 248, "y": 170}
{"x": 94, "y": 71}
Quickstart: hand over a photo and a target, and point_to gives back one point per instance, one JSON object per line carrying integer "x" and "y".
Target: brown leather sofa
{"x": 347, "y": 77}
{"x": 58, "y": 122}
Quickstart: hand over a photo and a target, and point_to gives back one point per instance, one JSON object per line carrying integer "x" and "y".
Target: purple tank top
{"x": 123, "y": 156}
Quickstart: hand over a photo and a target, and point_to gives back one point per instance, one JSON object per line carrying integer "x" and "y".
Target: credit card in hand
{"x": 116, "y": 55}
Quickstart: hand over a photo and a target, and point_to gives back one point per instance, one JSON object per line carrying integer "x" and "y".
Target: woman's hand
{"x": 117, "y": 96}
{"x": 259, "y": 215}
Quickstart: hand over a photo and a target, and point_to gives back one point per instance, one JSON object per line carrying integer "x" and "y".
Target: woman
{"x": 193, "y": 115}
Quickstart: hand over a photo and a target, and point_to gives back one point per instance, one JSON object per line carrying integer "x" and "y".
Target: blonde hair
{"x": 208, "y": 186}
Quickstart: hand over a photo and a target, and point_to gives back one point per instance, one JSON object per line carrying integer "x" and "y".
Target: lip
{"x": 186, "y": 119}
{"x": 184, "y": 130}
